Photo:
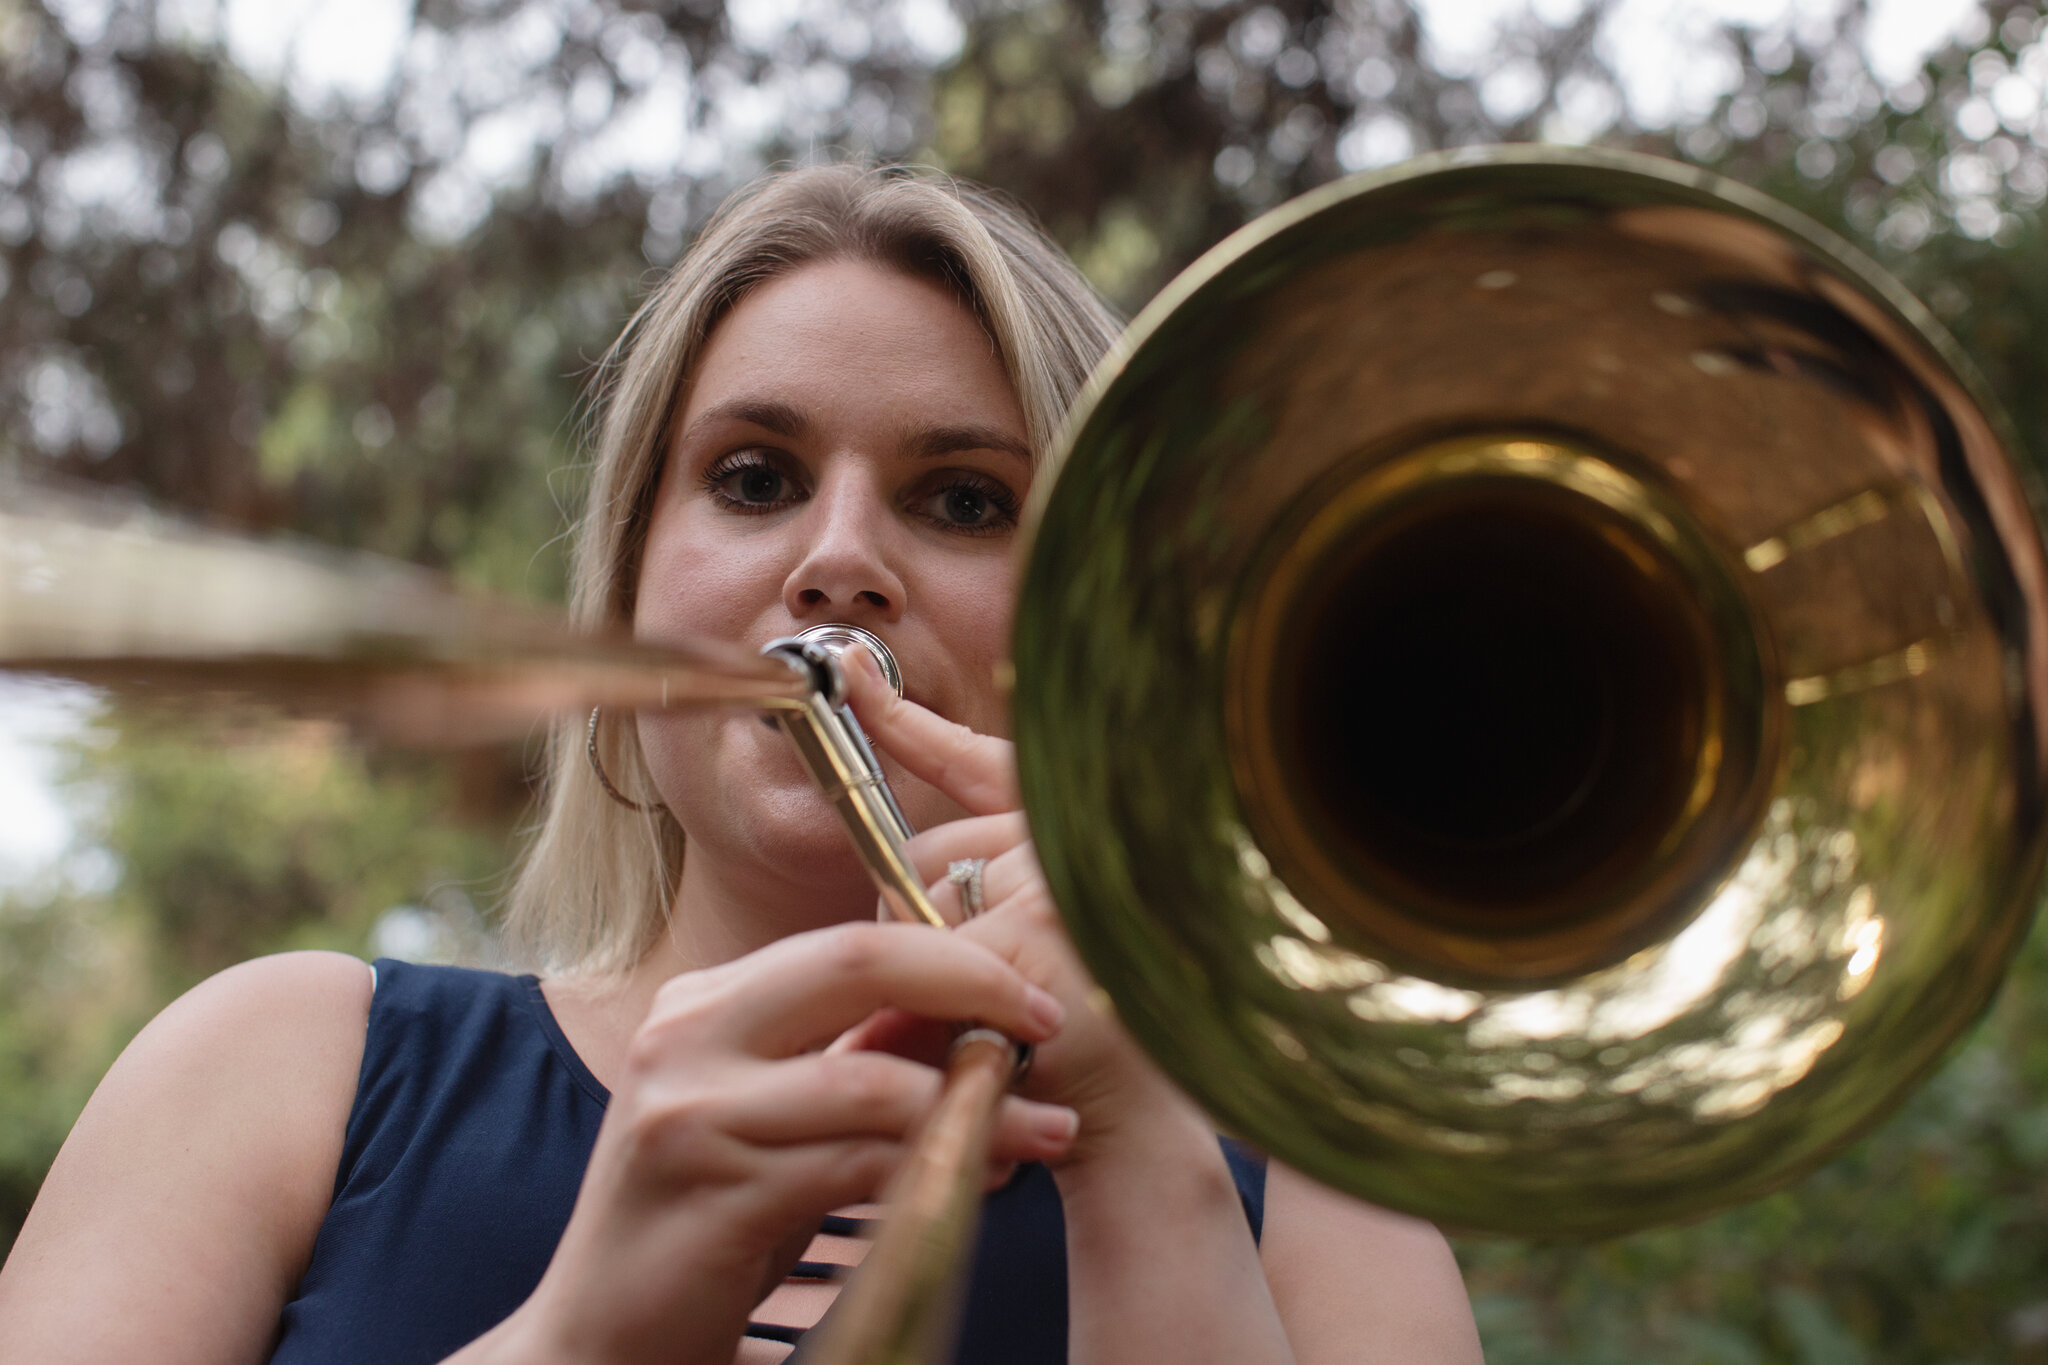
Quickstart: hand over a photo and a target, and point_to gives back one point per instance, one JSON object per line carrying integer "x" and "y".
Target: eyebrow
{"x": 780, "y": 418}
{"x": 936, "y": 441}
{"x": 923, "y": 442}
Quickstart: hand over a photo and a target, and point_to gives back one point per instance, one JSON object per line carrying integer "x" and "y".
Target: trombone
{"x": 1529, "y": 685}
{"x": 1576, "y": 629}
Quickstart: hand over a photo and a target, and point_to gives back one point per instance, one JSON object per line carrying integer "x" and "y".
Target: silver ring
{"x": 965, "y": 873}
{"x": 1020, "y": 1053}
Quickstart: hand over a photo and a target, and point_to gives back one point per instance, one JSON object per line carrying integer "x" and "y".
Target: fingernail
{"x": 1056, "y": 1123}
{"x": 1045, "y": 1011}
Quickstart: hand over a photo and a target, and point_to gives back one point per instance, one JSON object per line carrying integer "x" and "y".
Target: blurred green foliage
{"x": 365, "y": 313}
{"x": 1926, "y": 1242}
{"x": 228, "y": 842}
{"x": 281, "y": 836}
{"x": 69, "y": 999}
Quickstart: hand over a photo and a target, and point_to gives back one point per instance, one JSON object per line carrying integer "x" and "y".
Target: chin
{"x": 771, "y": 814}
{"x": 761, "y": 809}
{"x": 800, "y": 836}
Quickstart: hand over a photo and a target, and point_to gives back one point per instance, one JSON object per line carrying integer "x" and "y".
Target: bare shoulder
{"x": 280, "y": 1037}
{"x": 287, "y": 1002}
{"x": 195, "y": 1181}
{"x": 1356, "y": 1282}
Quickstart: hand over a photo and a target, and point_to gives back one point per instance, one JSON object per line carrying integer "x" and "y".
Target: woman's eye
{"x": 968, "y": 506}
{"x": 758, "y": 484}
{"x": 971, "y": 503}
{"x": 749, "y": 483}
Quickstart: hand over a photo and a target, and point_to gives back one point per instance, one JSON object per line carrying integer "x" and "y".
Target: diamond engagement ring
{"x": 965, "y": 873}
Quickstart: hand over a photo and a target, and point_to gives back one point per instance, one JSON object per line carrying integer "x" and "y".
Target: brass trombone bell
{"x": 1528, "y": 689}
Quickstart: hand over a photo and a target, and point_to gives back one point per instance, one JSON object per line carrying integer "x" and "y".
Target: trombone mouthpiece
{"x": 839, "y": 638}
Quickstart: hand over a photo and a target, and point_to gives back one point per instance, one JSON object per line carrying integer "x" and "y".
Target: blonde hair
{"x": 593, "y": 890}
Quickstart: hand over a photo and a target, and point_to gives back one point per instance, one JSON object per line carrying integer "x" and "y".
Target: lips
{"x": 909, "y": 693}
{"x": 768, "y": 720}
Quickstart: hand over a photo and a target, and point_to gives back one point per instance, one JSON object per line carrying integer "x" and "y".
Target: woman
{"x": 830, "y": 411}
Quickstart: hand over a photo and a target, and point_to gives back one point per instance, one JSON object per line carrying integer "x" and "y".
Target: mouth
{"x": 767, "y": 721}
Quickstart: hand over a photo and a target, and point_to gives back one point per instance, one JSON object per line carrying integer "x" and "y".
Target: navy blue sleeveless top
{"x": 472, "y": 1123}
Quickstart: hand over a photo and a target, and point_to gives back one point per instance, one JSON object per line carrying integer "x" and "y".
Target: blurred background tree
{"x": 339, "y": 270}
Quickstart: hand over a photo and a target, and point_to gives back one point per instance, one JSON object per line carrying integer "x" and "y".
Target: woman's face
{"x": 848, "y": 449}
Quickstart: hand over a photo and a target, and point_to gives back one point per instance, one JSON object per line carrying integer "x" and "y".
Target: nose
{"x": 846, "y": 571}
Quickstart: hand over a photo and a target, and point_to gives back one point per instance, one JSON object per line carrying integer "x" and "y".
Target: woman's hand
{"x": 1123, "y": 1100}
{"x": 731, "y": 1133}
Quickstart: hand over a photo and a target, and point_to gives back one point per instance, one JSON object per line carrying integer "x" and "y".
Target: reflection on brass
{"x": 1909, "y": 662}
{"x": 1491, "y": 713}
{"x": 1869, "y": 506}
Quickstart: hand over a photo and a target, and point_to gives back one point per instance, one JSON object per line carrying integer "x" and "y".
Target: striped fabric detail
{"x": 794, "y": 1307}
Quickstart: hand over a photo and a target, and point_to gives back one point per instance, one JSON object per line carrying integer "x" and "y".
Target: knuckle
{"x": 861, "y": 1081}
{"x": 860, "y": 1169}
{"x": 644, "y": 1052}
{"x": 685, "y": 1001}
{"x": 997, "y": 934}
{"x": 671, "y": 992}
{"x": 855, "y": 949}
{"x": 677, "y": 1018}
{"x": 1036, "y": 912}
{"x": 828, "y": 1177}
{"x": 682, "y": 993}
{"x": 671, "y": 1129}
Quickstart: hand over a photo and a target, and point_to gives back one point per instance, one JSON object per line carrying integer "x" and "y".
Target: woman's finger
{"x": 978, "y": 771}
{"x": 1002, "y": 878}
{"x": 801, "y": 992}
{"x": 1010, "y": 874}
{"x": 831, "y": 1096}
{"x": 977, "y": 836}
{"x": 906, "y": 1035}
{"x": 807, "y": 1180}
{"x": 988, "y": 839}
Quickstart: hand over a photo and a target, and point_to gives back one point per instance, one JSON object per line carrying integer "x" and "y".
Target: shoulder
{"x": 200, "y": 1171}
{"x": 277, "y": 1040}
{"x": 1345, "y": 1272}
{"x": 290, "y": 1023}
{"x": 318, "y": 996}
{"x": 283, "y": 1032}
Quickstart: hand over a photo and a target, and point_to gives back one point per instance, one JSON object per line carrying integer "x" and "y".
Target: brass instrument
{"x": 1529, "y": 688}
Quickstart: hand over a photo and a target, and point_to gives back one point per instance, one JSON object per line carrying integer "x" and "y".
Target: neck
{"x": 716, "y": 917}
{"x": 722, "y": 912}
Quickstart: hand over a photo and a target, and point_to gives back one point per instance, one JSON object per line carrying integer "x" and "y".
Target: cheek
{"x": 976, "y": 625}
{"x": 694, "y": 584}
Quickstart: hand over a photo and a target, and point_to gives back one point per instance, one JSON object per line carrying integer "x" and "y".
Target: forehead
{"x": 858, "y": 337}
